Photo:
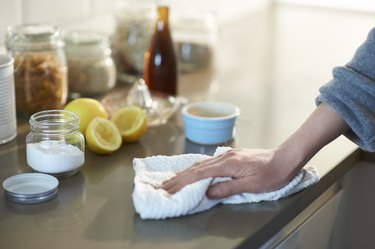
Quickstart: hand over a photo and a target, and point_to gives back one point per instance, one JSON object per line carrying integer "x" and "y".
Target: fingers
{"x": 251, "y": 171}
{"x": 198, "y": 171}
{"x": 228, "y": 188}
{"x": 251, "y": 184}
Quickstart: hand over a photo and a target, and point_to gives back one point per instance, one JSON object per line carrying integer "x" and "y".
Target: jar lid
{"x": 136, "y": 10}
{"x": 86, "y": 42}
{"x": 37, "y": 36}
{"x": 85, "y": 37}
{"x": 30, "y": 188}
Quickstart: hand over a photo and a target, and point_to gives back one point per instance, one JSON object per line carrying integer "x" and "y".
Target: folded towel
{"x": 152, "y": 202}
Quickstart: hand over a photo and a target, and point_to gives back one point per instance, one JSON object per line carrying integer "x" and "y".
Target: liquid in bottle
{"x": 160, "y": 69}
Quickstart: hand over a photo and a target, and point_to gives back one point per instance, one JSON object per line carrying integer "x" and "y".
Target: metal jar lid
{"x": 30, "y": 188}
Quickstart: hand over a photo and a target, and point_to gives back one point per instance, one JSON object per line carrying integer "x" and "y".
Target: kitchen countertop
{"x": 270, "y": 64}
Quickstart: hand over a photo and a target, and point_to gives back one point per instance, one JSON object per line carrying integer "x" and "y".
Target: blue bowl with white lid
{"x": 210, "y": 122}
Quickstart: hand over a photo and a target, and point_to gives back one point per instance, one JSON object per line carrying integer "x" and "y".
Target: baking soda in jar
{"x": 55, "y": 145}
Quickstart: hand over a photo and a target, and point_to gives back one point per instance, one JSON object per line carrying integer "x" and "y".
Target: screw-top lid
{"x": 30, "y": 188}
{"x": 33, "y": 36}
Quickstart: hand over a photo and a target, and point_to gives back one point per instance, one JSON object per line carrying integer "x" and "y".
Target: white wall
{"x": 357, "y": 5}
{"x": 98, "y": 14}
{"x": 65, "y": 12}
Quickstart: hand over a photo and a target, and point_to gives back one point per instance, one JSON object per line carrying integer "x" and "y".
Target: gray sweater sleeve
{"x": 351, "y": 93}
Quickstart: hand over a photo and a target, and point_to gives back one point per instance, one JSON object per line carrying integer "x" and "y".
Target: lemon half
{"x": 131, "y": 121}
{"x": 102, "y": 136}
{"x": 87, "y": 109}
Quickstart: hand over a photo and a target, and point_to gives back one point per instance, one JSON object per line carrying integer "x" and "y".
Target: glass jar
{"x": 134, "y": 27}
{"x": 195, "y": 33}
{"x": 55, "y": 145}
{"x": 40, "y": 71}
{"x": 91, "y": 70}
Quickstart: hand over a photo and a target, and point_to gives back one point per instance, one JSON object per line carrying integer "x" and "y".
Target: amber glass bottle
{"x": 160, "y": 69}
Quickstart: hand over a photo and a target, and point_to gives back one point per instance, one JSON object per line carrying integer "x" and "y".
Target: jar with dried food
{"x": 40, "y": 71}
{"x": 196, "y": 34}
{"x": 91, "y": 70}
{"x": 134, "y": 27}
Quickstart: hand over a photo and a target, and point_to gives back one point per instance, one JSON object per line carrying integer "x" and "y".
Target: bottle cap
{"x": 30, "y": 188}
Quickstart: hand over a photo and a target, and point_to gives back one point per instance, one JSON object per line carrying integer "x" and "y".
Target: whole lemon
{"x": 87, "y": 109}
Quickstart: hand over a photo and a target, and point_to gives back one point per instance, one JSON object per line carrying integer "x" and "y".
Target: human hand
{"x": 251, "y": 170}
{"x": 255, "y": 170}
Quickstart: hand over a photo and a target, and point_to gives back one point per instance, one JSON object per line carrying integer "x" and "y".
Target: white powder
{"x": 54, "y": 156}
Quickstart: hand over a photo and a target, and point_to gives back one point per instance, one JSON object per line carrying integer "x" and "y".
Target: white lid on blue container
{"x": 30, "y": 188}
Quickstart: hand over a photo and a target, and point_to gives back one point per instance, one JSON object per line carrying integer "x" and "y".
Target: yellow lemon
{"x": 102, "y": 136}
{"x": 87, "y": 109}
{"x": 131, "y": 122}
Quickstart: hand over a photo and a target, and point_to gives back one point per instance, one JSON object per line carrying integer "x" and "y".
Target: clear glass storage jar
{"x": 196, "y": 35}
{"x": 54, "y": 144}
{"x": 40, "y": 72}
{"x": 135, "y": 21}
{"x": 91, "y": 70}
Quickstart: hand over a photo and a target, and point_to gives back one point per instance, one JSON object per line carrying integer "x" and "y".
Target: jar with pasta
{"x": 40, "y": 70}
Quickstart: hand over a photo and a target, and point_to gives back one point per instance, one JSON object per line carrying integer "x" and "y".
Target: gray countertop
{"x": 271, "y": 65}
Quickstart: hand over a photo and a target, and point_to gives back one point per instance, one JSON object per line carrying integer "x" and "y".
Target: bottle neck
{"x": 162, "y": 18}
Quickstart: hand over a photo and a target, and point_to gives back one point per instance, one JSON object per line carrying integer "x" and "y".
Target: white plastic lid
{"x": 30, "y": 188}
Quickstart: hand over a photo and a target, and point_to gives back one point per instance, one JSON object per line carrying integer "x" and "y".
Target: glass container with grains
{"x": 135, "y": 21}
{"x": 40, "y": 73}
{"x": 91, "y": 70}
{"x": 196, "y": 35}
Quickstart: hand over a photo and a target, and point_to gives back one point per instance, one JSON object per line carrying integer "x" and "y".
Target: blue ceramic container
{"x": 209, "y": 122}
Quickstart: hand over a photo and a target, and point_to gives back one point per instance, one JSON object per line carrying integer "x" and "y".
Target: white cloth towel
{"x": 151, "y": 202}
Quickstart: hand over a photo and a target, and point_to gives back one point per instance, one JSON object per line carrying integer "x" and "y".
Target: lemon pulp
{"x": 102, "y": 136}
{"x": 131, "y": 121}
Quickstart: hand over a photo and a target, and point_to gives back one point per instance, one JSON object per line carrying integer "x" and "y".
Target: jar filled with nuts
{"x": 91, "y": 70}
{"x": 40, "y": 71}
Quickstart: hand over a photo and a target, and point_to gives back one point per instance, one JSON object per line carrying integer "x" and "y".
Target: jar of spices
{"x": 135, "y": 20}
{"x": 55, "y": 145}
{"x": 40, "y": 71}
{"x": 91, "y": 70}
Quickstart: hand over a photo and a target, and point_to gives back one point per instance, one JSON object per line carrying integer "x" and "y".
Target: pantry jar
{"x": 196, "y": 36}
{"x": 54, "y": 144}
{"x": 91, "y": 70}
{"x": 40, "y": 71}
{"x": 135, "y": 21}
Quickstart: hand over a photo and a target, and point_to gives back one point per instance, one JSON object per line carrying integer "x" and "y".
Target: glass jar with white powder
{"x": 55, "y": 145}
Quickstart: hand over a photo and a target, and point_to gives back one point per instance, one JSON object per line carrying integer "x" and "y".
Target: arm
{"x": 345, "y": 106}
{"x": 256, "y": 170}
{"x": 351, "y": 93}
{"x": 322, "y": 127}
